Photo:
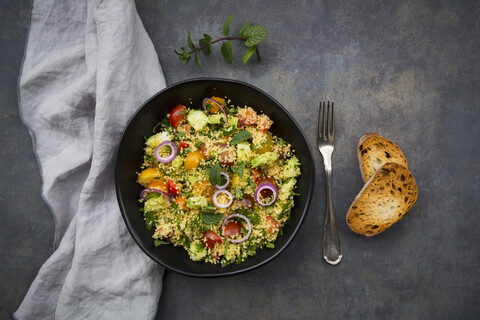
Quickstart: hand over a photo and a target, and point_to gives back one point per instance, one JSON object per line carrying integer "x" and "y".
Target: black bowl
{"x": 130, "y": 158}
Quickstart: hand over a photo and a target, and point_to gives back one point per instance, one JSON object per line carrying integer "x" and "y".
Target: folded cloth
{"x": 88, "y": 66}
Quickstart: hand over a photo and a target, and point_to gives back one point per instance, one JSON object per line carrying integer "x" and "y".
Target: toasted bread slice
{"x": 383, "y": 200}
{"x": 374, "y": 150}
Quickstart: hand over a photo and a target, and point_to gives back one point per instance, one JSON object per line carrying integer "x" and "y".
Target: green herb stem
{"x": 218, "y": 40}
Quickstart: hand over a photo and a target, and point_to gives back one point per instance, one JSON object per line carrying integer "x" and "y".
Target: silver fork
{"x": 332, "y": 247}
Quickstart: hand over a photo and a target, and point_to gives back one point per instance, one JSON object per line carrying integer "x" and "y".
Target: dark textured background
{"x": 409, "y": 70}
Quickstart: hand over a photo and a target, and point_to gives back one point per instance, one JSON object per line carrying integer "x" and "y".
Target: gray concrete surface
{"x": 406, "y": 69}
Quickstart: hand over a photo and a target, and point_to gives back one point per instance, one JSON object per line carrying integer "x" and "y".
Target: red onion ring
{"x": 268, "y": 186}
{"x": 145, "y": 191}
{"x": 216, "y": 203}
{"x": 204, "y": 105}
{"x": 236, "y": 215}
{"x": 172, "y": 155}
{"x": 226, "y": 183}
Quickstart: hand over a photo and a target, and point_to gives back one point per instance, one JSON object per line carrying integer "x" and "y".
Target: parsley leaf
{"x": 270, "y": 245}
{"x": 238, "y": 193}
{"x": 164, "y": 125}
{"x": 158, "y": 242}
{"x": 239, "y": 169}
{"x": 251, "y": 183}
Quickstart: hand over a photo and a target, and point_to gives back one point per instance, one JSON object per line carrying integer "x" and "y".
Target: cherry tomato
{"x": 203, "y": 148}
{"x": 210, "y": 238}
{"x": 264, "y": 123}
{"x": 193, "y": 159}
{"x": 174, "y": 188}
{"x": 248, "y": 201}
{"x": 227, "y": 157}
{"x": 221, "y": 101}
{"x": 177, "y": 115}
{"x": 247, "y": 116}
{"x": 267, "y": 180}
{"x": 182, "y": 203}
{"x": 182, "y": 145}
{"x": 203, "y": 188}
{"x": 159, "y": 185}
{"x": 272, "y": 224}
{"x": 267, "y": 146}
{"x": 212, "y": 107}
{"x": 232, "y": 228}
{"x": 256, "y": 175}
{"x": 148, "y": 175}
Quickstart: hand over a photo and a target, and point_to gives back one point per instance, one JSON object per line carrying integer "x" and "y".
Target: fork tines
{"x": 326, "y": 130}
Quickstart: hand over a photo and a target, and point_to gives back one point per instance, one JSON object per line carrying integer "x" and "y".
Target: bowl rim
{"x": 230, "y": 273}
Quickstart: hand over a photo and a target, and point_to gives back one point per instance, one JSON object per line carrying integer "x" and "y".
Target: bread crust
{"x": 383, "y": 200}
{"x": 374, "y": 150}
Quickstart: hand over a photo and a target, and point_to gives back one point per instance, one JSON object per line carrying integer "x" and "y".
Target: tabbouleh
{"x": 211, "y": 153}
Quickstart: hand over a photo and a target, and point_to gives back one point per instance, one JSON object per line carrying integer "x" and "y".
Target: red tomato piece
{"x": 203, "y": 148}
{"x": 267, "y": 180}
{"x": 247, "y": 116}
{"x": 256, "y": 175}
{"x": 227, "y": 157}
{"x": 177, "y": 115}
{"x": 272, "y": 224}
{"x": 174, "y": 188}
{"x": 264, "y": 123}
{"x": 182, "y": 145}
{"x": 210, "y": 238}
{"x": 232, "y": 228}
{"x": 182, "y": 203}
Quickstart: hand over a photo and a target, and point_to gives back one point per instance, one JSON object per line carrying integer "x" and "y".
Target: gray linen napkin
{"x": 88, "y": 66}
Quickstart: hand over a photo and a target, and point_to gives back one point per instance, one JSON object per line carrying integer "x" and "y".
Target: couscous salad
{"x": 217, "y": 182}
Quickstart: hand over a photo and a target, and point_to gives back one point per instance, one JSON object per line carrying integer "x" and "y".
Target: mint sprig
{"x": 214, "y": 175}
{"x": 240, "y": 137}
{"x": 250, "y": 34}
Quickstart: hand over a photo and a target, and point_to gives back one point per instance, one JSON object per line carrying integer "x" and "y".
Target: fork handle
{"x": 332, "y": 247}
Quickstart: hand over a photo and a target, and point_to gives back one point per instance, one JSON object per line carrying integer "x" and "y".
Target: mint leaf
{"x": 255, "y": 35}
{"x": 190, "y": 42}
{"x": 248, "y": 54}
{"x": 186, "y": 54}
{"x": 240, "y": 137}
{"x": 239, "y": 169}
{"x": 211, "y": 217}
{"x": 227, "y": 51}
{"x": 197, "y": 61}
{"x": 206, "y": 41}
{"x": 226, "y": 26}
{"x": 214, "y": 175}
{"x": 247, "y": 24}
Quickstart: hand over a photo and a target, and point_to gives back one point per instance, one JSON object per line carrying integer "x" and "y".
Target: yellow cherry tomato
{"x": 203, "y": 188}
{"x": 193, "y": 159}
{"x": 266, "y": 146}
{"x": 148, "y": 175}
{"x": 158, "y": 184}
